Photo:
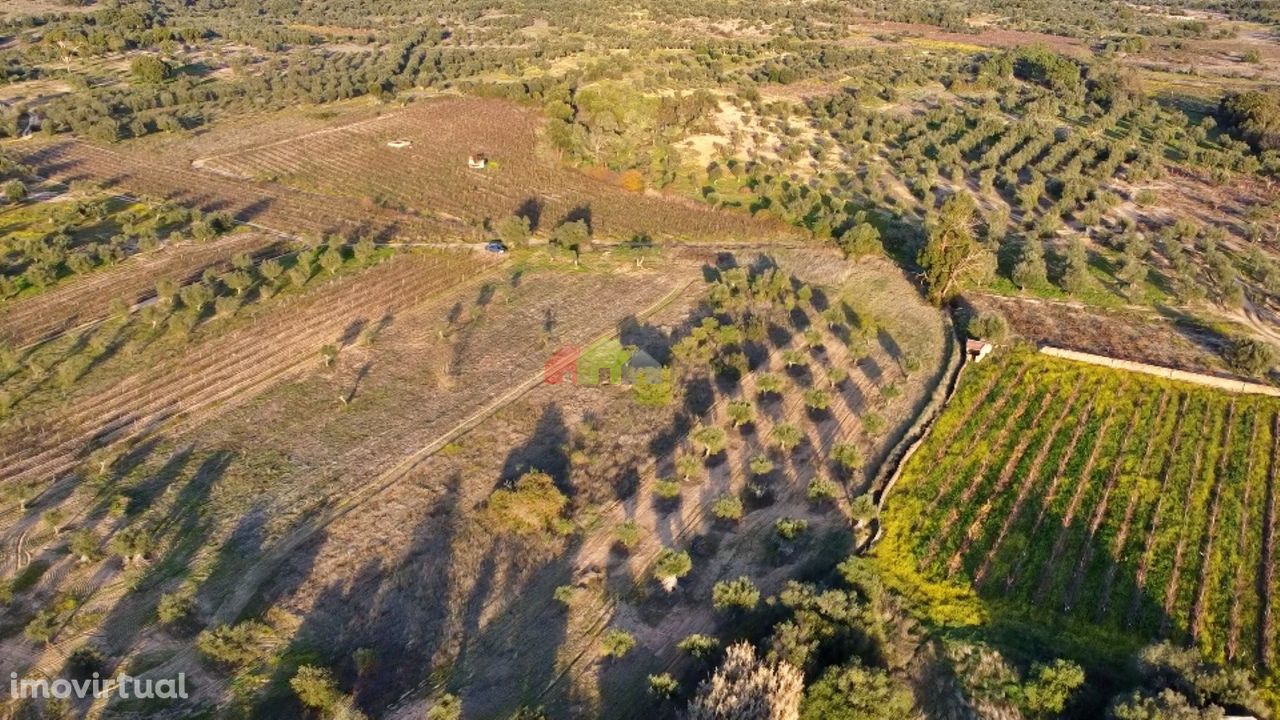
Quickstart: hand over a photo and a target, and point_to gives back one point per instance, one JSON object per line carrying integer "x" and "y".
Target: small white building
{"x": 477, "y": 161}
{"x": 977, "y": 349}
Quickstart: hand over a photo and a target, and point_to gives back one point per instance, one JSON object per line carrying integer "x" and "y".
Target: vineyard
{"x": 431, "y": 177}
{"x": 1090, "y": 499}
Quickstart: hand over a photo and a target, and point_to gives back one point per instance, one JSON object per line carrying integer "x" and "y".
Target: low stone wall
{"x": 1228, "y": 384}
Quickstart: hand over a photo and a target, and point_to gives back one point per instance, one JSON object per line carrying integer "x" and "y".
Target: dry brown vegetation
{"x": 431, "y": 177}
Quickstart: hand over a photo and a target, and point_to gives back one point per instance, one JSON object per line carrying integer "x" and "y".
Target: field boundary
{"x": 896, "y": 460}
{"x": 1213, "y": 381}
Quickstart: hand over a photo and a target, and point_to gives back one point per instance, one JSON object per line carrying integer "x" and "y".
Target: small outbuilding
{"x": 977, "y": 349}
{"x": 477, "y": 161}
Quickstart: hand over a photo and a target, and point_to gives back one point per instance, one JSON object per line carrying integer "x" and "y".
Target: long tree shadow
{"x": 546, "y": 450}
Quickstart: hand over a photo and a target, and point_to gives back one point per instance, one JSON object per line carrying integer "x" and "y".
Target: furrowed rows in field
{"x": 85, "y": 299}
{"x": 1153, "y": 501}
{"x": 234, "y": 366}
{"x": 273, "y": 206}
{"x": 432, "y": 176}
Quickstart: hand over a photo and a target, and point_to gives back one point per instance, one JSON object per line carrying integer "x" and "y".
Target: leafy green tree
{"x": 315, "y": 687}
{"x": 786, "y": 436}
{"x": 654, "y": 393}
{"x": 671, "y": 565}
{"x": 951, "y": 255}
{"x": 817, "y": 400}
{"x": 1046, "y": 692}
{"x": 1075, "y": 274}
{"x": 175, "y": 607}
{"x": 571, "y": 237}
{"x": 854, "y": 692}
{"x": 150, "y": 69}
{"x": 847, "y": 456}
{"x": 1030, "y": 270}
{"x": 513, "y": 231}
{"x": 688, "y": 467}
{"x": 741, "y": 412}
{"x": 790, "y": 528}
{"x": 1250, "y": 356}
{"x": 83, "y": 544}
{"x": 666, "y": 489}
{"x": 711, "y": 439}
{"x": 769, "y": 384}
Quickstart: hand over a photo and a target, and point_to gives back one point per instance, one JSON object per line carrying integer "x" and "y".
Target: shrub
{"x": 15, "y": 191}
{"x": 564, "y": 594}
{"x": 874, "y": 424}
{"x": 1250, "y": 356}
{"x": 627, "y": 534}
{"x": 863, "y": 509}
{"x": 727, "y": 507}
{"x": 533, "y": 505}
{"x": 617, "y": 643}
{"x": 315, "y": 687}
{"x": 239, "y": 646}
{"x": 448, "y": 707}
{"x": 790, "y": 528}
{"x": 739, "y": 594}
{"x": 663, "y": 686}
{"x": 745, "y": 687}
{"x": 852, "y": 692}
{"x": 176, "y": 606}
{"x": 988, "y": 326}
{"x": 150, "y": 69}
{"x": 761, "y": 465}
{"x": 666, "y": 489}
{"x": 698, "y": 645}
{"x": 688, "y": 467}
{"x": 821, "y": 489}
{"x": 847, "y": 455}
